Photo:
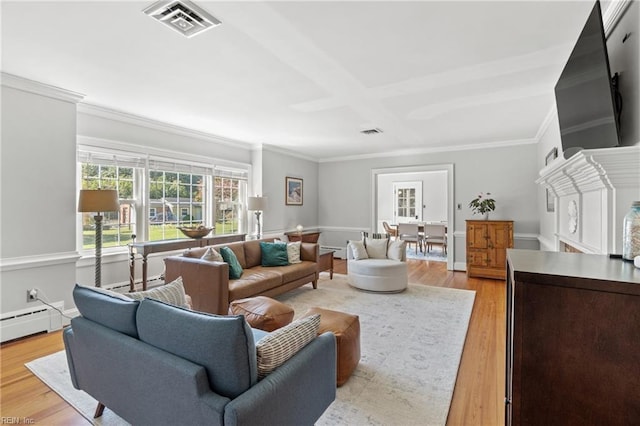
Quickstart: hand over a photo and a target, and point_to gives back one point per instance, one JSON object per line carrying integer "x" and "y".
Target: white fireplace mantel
{"x": 602, "y": 184}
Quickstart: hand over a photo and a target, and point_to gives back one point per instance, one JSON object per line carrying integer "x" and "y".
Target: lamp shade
{"x": 257, "y": 203}
{"x": 98, "y": 200}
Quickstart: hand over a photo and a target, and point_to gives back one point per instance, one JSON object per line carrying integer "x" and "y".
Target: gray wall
{"x": 158, "y": 136}
{"x": 507, "y": 172}
{"x": 624, "y": 58}
{"x": 279, "y": 218}
{"x": 38, "y": 197}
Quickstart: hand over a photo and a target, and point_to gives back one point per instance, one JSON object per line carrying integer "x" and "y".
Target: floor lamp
{"x": 257, "y": 205}
{"x": 98, "y": 201}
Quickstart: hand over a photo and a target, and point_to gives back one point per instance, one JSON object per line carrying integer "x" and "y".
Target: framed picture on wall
{"x": 293, "y": 191}
{"x": 550, "y": 199}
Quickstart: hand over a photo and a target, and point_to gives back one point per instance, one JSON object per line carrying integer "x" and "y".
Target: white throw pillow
{"x": 212, "y": 255}
{"x": 277, "y": 347}
{"x": 358, "y": 250}
{"x": 396, "y": 250}
{"x": 293, "y": 250}
{"x": 376, "y": 248}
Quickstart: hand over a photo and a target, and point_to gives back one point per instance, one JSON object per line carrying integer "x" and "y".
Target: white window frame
{"x": 147, "y": 158}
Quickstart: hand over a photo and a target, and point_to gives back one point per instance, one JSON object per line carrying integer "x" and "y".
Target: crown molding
{"x": 283, "y": 151}
{"x": 544, "y": 126}
{"x": 612, "y": 15}
{"x": 42, "y": 89}
{"x": 413, "y": 152}
{"x": 137, "y": 120}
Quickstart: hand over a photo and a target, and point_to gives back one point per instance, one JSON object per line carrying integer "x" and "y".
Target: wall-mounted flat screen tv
{"x": 585, "y": 96}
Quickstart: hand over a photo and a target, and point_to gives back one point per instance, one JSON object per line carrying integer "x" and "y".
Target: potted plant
{"x": 483, "y": 204}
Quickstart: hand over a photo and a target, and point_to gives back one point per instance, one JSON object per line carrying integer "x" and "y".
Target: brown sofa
{"x": 209, "y": 285}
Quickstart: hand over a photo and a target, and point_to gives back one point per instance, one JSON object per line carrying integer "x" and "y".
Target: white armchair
{"x": 380, "y": 273}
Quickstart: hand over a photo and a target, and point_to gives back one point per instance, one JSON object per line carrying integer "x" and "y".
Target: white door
{"x": 407, "y": 201}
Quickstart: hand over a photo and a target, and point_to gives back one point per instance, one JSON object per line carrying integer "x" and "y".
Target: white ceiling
{"x": 308, "y": 76}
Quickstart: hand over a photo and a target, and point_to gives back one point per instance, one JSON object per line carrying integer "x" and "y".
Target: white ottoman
{"x": 378, "y": 275}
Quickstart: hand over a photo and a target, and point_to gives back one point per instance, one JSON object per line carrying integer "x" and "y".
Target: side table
{"x": 325, "y": 262}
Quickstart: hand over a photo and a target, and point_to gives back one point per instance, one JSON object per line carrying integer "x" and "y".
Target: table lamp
{"x": 257, "y": 205}
{"x": 98, "y": 201}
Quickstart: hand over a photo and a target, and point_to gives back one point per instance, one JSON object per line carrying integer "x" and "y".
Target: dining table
{"x": 421, "y": 229}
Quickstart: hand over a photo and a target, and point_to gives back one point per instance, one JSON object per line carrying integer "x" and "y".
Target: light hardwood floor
{"x": 477, "y": 399}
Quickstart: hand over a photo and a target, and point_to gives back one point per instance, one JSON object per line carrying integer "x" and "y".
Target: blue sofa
{"x": 157, "y": 364}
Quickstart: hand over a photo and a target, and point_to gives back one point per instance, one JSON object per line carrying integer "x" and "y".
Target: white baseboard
{"x": 32, "y": 320}
{"x": 460, "y": 266}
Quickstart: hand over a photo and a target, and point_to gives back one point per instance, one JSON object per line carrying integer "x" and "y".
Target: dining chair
{"x": 435, "y": 234}
{"x": 389, "y": 230}
{"x": 409, "y": 232}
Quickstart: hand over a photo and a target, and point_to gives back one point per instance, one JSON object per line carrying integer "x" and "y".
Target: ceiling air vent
{"x": 182, "y": 16}
{"x": 373, "y": 131}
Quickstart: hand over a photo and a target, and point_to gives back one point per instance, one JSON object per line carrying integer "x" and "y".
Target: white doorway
{"x": 383, "y": 200}
{"x": 407, "y": 201}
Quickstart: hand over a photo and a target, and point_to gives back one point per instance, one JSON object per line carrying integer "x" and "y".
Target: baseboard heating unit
{"x": 339, "y": 252}
{"x": 25, "y": 322}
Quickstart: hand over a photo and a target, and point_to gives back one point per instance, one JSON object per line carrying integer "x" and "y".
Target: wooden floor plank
{"x": 478, "y": 398}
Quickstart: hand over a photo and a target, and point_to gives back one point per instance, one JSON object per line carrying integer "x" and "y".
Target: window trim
{"x": 143, "y": 155}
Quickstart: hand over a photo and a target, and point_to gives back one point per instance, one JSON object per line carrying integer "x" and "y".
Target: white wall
{"x": 624, "y": 59}
{"x": 550, "y": 139}
{"x": 434, "y": 195}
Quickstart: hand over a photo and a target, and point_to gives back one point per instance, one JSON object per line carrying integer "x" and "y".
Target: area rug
{"x": 435, "y": 255}
{"x": 411, "y": 345}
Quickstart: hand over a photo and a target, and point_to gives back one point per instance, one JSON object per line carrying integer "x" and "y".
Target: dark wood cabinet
{"x": 487, "y": 244}
{"x": 573, "y": 340}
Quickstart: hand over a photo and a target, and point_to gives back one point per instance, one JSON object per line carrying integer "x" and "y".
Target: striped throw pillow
{"x": 375, "y": 235}
{"x": 172, "y": 293}
{"x": 277, "y": 347}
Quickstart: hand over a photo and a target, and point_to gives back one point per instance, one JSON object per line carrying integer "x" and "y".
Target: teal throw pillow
{"x": 235, "y": 269}
{"x": 274, "y": 254}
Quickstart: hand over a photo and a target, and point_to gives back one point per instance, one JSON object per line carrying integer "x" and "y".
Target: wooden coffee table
{"x": 326, "y": 261}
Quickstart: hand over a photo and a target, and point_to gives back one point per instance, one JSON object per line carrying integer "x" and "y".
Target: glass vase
{"x": 631, "y": 233}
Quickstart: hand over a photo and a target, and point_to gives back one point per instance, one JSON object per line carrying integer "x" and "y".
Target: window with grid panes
{"x": 117, "y": 227}
{"x": 177, "y": 194}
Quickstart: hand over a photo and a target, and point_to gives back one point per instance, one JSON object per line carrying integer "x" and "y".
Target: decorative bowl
{"x": 195, "y": 232}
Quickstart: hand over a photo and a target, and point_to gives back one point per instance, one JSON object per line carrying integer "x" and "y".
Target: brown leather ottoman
{"x": 262, "y": 312}
{"x": 346, "y": 328}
